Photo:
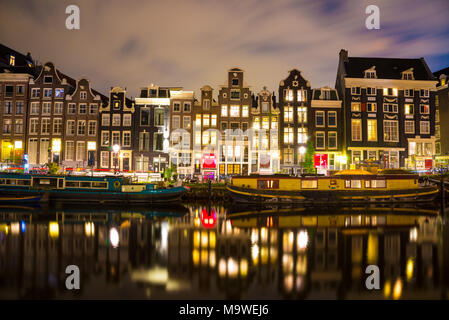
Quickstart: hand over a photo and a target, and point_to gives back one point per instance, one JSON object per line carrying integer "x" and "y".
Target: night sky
{"x": 191, "y": 43}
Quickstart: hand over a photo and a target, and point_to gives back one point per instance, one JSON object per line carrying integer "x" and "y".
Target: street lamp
{"x": 116, "y": 149}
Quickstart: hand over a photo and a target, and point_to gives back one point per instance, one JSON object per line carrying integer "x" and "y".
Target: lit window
{"x": 288, "y": 135}
{"x": 206, "y": 120}
{"x": 408, "y": 109}
{"x": 245, "y": 111}
{"x": 12, "y": 60}
{"x": 289, "y": 95}
{"x": 302, "y": 135}
{"x": 302, "y": 114}
{"x": 235, "y": 111}
{"x": 224, "y": 110}
{"x": 355, "y": 107}
{"x": 288, "y": 114}
{"x": 214, "y": 120}
{"x": 356, "y": 129}
{"x": 198, "y": 120}
{"x": 372, "y": 129}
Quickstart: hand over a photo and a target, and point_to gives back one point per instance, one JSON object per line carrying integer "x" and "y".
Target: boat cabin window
{"x": 354, "y": 184}
{"x": 99, "y": 184}
{"x": 378, "y": 183}
{"x": 367, "y": 183}
{"x": 268, "y": 184}
{"x": 72, "y": 184}
{"x": 85, "y": 184}
{"x": 309, "y": 184}
{"x": 18, "y": 182}
{"x": 47, "y": 182}
{"x": 23, "y": 182}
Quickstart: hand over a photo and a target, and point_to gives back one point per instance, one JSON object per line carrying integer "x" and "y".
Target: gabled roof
{"x": 387, "y": 68}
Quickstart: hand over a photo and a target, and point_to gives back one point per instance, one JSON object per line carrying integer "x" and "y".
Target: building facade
{"x": 152, "y": 128}
{"x": 16, "y": 70}
{"x": 116, "y": 130}
{"x": 442, "y": 117}
{"x": 235, "y": 101}
{"x": 80, "y": 138}
{"x": 264, "y": 147}
{"x": 389, "y": 111}
{"x": 327, "y": 130}
{"x": 206, "y": 134}
{"x": 46, "y": 115}
{"x": 181, "y": 132}
{"x": 294, "y": 124}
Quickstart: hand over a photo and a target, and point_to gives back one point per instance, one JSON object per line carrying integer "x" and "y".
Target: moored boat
{"x": 344, "y": 186}
{"x": 85, "y": 189}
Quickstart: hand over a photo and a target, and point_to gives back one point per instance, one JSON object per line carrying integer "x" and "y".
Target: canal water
{"x": 211, "y": 252}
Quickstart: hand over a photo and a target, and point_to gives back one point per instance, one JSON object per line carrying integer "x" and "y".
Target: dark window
{"x": 153, "y": 93}
{"x": 144, "y": 93}
{"x": 9, "y": 91}
{"x": 163, "y": 93}
{"x": 235, "y": 82}
{"x": 144, "y": 117}
{"x": 48, "y": 79}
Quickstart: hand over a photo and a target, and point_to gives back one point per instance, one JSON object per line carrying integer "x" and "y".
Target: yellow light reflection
{"x": 212, "y": 259}
{"x": 89, "y": 229}
{"x": 255, "y": 254}
{"x": 196, "y": 239}
{"x": 204, "y": 257}
{"x": 409, "y": 268}
{"x": 53, "y": 229}
{"x": 212, "y": 240}
{"x": 222, "y": 267}
{"x": 387, "y": 289}
{"x": 204, "y": 239}
{"x": 372, "y": 250}
{"x": 195, "y": 257}
{"x": 397, "y": 289}
{"x": 244, "y": 268}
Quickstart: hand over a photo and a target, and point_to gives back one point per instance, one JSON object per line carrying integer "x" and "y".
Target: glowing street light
{"x": 116, "y": 149}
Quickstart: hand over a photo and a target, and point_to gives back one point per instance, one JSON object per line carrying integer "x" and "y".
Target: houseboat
{"x": 344, "y": 186}
{"x": 83, "y": 189}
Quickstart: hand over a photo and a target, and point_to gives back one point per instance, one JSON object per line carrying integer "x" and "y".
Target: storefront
{"x": 209, "y": 165}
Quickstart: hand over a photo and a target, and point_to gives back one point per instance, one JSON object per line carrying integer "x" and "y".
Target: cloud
{"x": 190, "y": 43}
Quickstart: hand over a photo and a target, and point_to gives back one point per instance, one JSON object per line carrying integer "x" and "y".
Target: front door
{"x": 126, "y": 164}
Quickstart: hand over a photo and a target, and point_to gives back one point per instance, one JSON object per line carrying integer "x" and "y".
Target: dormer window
{"x": 153, "y": 93}
{"x": 235, "y": 82}
{"x": 408, "y": 74}
{"x": 83, "y": 95}
{"x": 325, "y": 94}
{"x": 12, "y": 60}
{"x": 371, "y": 73}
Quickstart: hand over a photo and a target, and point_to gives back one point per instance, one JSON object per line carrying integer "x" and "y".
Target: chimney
{"x": 344, "y": 55}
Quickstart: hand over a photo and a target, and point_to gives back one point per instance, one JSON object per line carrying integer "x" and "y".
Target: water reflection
{"x": 210, "y": 252}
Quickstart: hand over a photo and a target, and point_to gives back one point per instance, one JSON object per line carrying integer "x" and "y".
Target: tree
{"x": 53, "y": 167}
{"x": 309, "y": 163}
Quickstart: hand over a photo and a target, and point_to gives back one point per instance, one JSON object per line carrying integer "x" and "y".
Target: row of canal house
{"x": 382, "y": 111}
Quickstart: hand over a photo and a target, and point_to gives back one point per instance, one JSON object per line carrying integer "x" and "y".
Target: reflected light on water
{"x": 397, "y": 289}
{"x": 114, "y": 237}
